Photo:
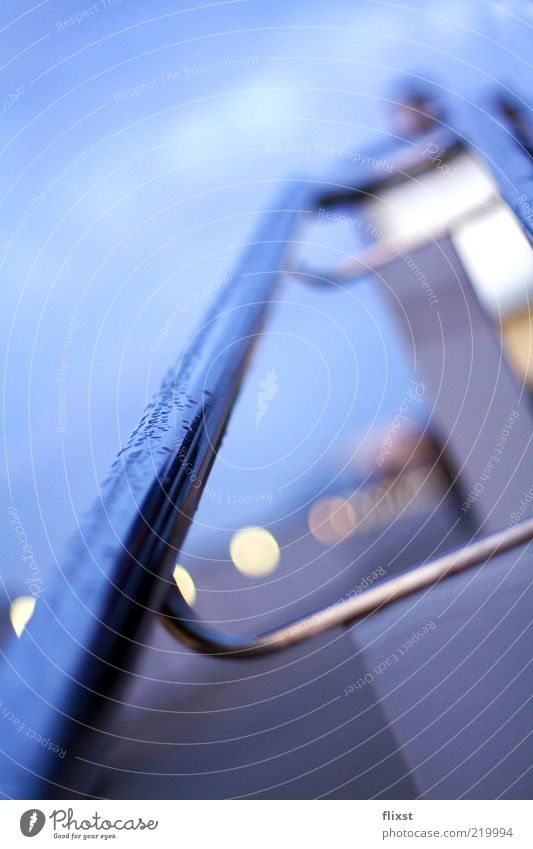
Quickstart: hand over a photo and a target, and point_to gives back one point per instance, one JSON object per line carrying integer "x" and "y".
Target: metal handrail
{"x": 149, "y": 500}
{"x": 180, "y": 619}
{"x": 238, "y": 338}
{"x": 183, "y": 621}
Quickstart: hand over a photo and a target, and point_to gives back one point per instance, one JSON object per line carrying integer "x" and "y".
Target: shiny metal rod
{"x": 180, "y": 618}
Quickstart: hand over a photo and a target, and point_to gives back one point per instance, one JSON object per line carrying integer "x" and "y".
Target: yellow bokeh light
{"x": 21, "y": 611}
{"x": 254, "y": 552}
{"x": 185, "y": 584}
